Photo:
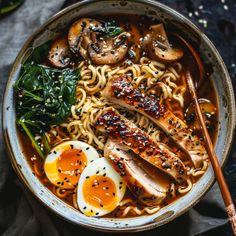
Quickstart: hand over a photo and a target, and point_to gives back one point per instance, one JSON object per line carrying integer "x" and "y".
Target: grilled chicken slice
{"x": 145, "y": 185}
{"x": 122, "y": 92}
{"x": 125, "y": 132}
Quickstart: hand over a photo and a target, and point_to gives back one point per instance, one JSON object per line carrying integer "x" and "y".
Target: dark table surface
{"x": 217, "y": 19}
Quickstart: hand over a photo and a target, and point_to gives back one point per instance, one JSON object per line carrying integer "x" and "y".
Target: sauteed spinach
{"x": 7, "y": 6}
{"x": 109, "y": 29}
{"x": 44, "y": 97}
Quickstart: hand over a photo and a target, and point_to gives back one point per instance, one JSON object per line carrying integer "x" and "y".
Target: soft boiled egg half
{"x": 66, "y": 162}
{"x": 100, "y": 188}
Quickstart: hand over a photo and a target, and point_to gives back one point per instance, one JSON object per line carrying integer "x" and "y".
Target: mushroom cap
{"x": 60, "y": 54}
{"x": 109, "y": 50}
{"x": 80, "y": 35}
{"x": 169, "y": 55}
{"x": 158, "y": 47}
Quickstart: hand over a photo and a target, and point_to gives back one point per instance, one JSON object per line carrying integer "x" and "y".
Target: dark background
{"x": 216, "y": 18}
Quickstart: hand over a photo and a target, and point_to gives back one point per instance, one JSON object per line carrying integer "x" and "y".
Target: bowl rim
{"x": 231, "y": 108}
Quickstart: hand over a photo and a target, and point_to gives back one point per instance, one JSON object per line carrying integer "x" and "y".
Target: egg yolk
{"x": 100, "y": 191}
{"x": 70, "y": 165}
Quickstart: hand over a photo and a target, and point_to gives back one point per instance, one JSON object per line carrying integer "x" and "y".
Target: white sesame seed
{"x": 200, "y": 7}
{"x": 226, "y": 7}
{"x": 196, "y": 13}
{"x": 223, "y": 1}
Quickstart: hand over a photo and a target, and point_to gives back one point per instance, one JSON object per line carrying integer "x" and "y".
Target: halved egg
{"x": 66, "y": 162}
{"x": 100, "y": 189}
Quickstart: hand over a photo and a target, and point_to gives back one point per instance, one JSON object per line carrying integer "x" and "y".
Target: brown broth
{"x": 142, "y": 23}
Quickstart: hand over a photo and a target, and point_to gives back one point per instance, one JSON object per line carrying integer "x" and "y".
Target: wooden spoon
{"x": 213, "y": 158}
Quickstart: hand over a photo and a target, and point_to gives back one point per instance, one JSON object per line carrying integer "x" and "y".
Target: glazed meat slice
{"x": 145, "y": 185}
{"x": 125, "y": 132}
{"x": 122, "y": 92}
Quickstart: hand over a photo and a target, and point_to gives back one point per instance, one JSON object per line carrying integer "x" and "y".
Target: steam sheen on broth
{"x": 130, "y": 104}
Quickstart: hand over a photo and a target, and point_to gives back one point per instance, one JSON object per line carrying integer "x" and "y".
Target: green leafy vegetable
{"x": 44, "y": 97}
{"x": 40, "y": 53}
{"x": 109, "y": 29}
{"x": 7, "y": 6}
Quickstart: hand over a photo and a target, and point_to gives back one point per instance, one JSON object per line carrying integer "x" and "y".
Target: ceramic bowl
{"x": 220, "y": 78}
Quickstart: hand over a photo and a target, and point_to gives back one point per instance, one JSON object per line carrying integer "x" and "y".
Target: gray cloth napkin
{"x": 20, "y": 212}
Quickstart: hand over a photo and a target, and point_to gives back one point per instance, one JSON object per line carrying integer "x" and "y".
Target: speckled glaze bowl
{"x": 220, "y": 78}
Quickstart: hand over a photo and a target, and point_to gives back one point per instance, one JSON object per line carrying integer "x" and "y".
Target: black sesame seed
{"x": 72, "y": 146}
{"x": 104, "y": 174}
{"x": 87, "y": 177}
{"x": 87, "y": 148}
{"x": 84, "y": 207}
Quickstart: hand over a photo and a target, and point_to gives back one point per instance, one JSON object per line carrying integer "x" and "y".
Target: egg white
{"x": 51, "y": 161}
{"x": 100, "y": 166}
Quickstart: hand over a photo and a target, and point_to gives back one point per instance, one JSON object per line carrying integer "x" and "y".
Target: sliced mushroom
{"x": 60, "y": 54}
{"x": 80, "y": 36}
{"x": 158, "y": 47}
{"x": 135, "y": 50}
{"x": 109, "y": 50}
